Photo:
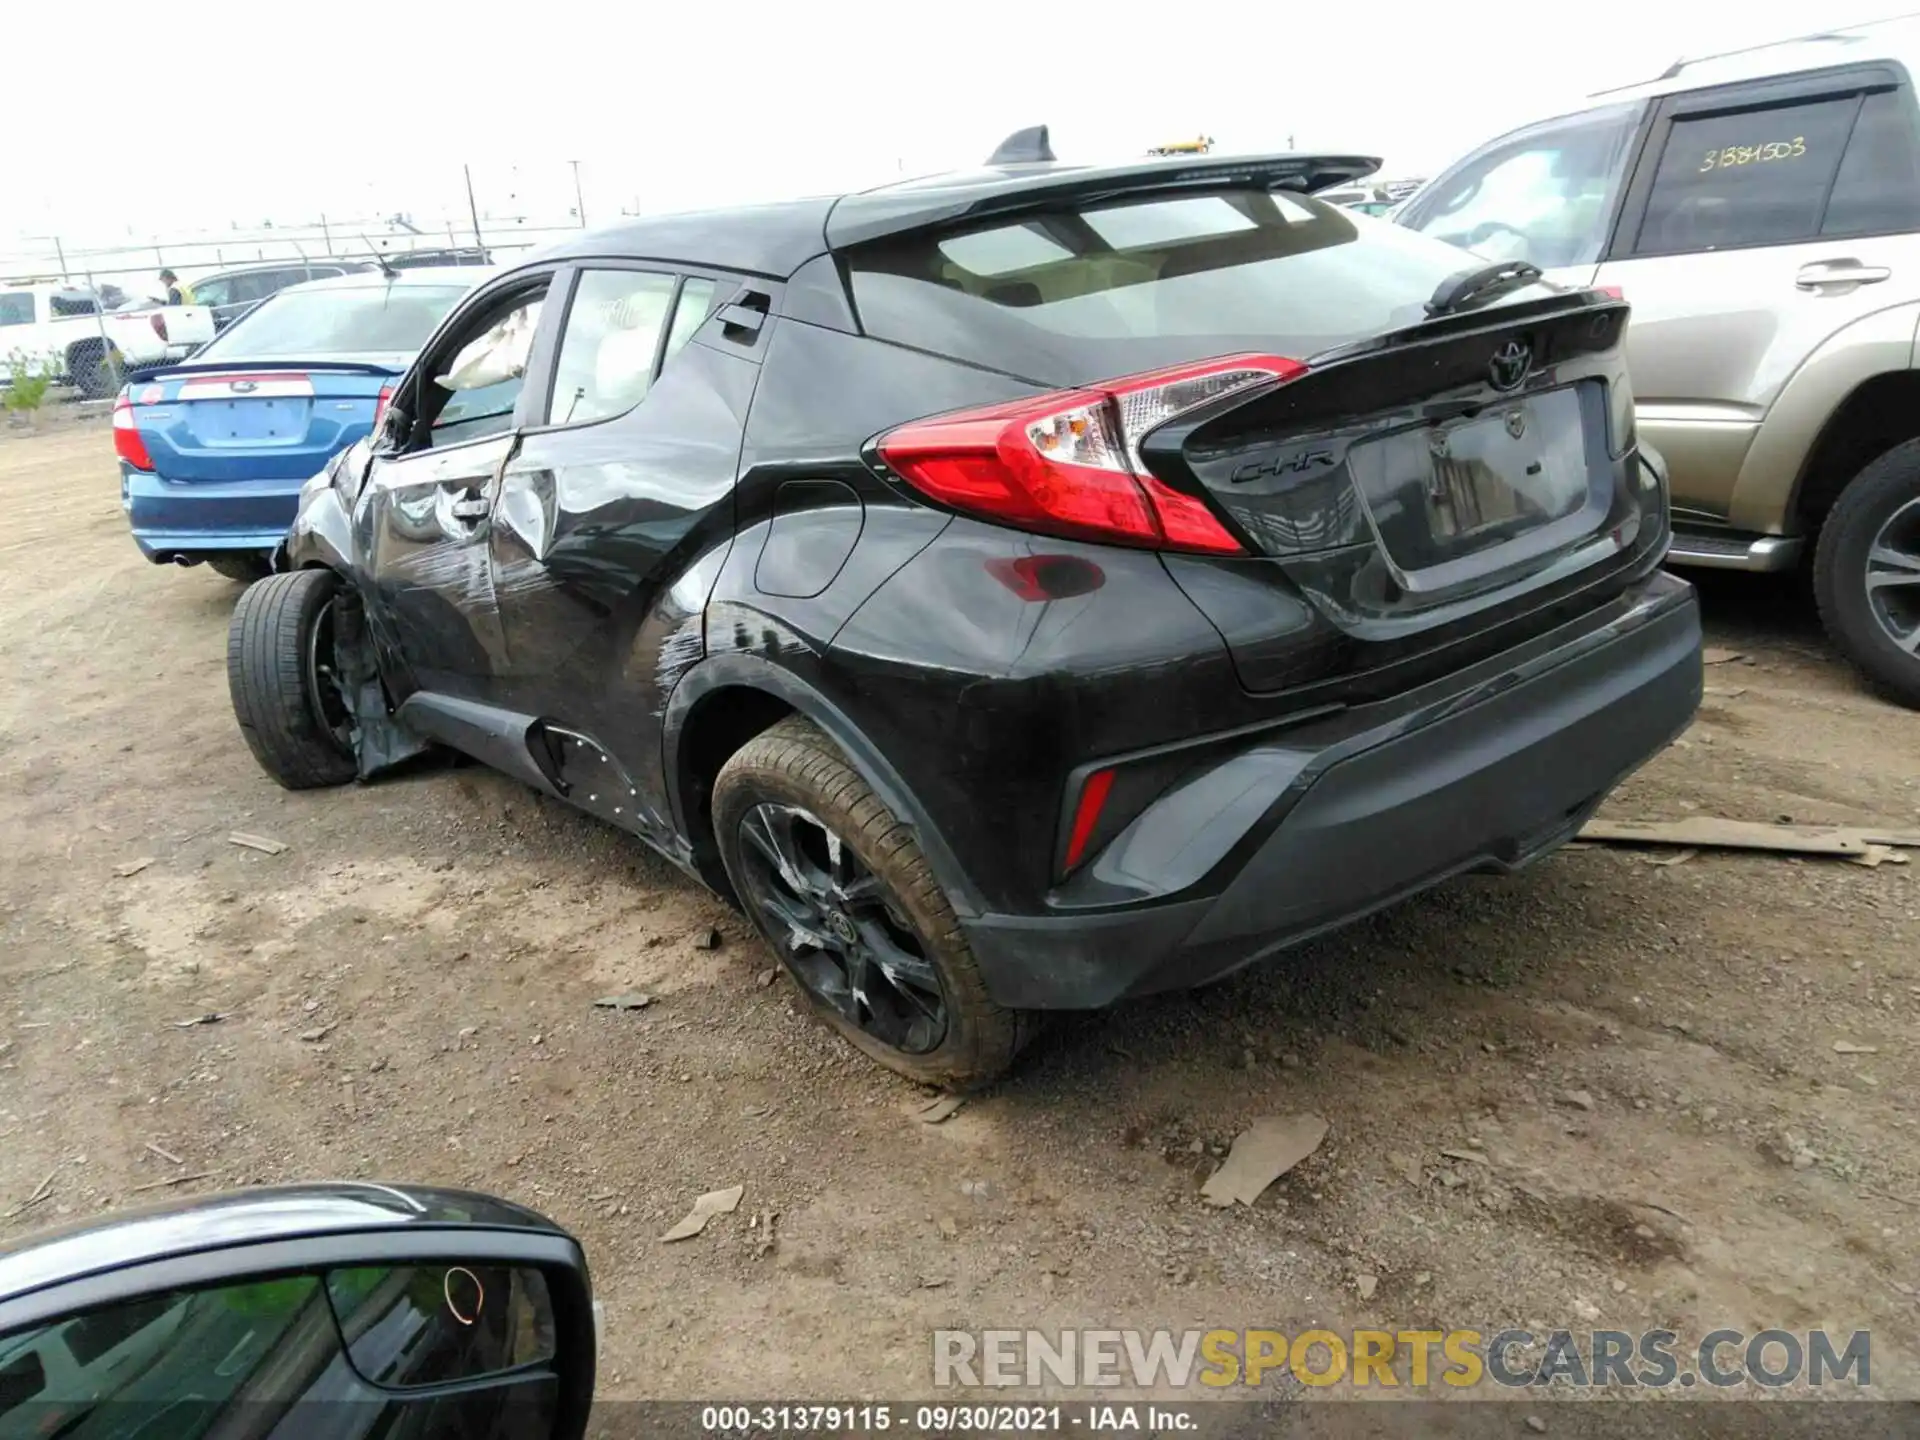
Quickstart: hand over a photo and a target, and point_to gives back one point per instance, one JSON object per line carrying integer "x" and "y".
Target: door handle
{"x": 1839, "y": 272}
{"x": 468, "y": 507}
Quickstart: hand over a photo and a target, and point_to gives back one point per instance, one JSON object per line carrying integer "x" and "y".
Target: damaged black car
{"x": 1017, "y": 590}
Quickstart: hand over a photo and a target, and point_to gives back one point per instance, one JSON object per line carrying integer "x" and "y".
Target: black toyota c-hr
{"x": 1017, "y": 590}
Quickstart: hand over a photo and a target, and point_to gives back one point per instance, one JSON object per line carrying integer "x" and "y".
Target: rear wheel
{"x": 241, "y": 566}
{"x": 282, "y": 675}
{"x": 93, "y": 369}
{"x": 1866, "y": 573}
{"x": 840, "y": 890}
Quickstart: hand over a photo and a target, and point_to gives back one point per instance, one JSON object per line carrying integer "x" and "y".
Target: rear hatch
{"x": 214, "y": 423}
{"x": 1418, "y": 456}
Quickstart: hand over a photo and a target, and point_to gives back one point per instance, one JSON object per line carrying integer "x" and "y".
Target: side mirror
{"x": 340, "y": 1310}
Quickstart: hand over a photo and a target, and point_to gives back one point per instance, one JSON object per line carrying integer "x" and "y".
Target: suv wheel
{"x": 281, "y": 673}
{"x": 838, "y": 887}
{"x": 1866, "y": 573}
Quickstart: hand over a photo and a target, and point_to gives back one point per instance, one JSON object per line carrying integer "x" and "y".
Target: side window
{"x": 1545, "y": 194}
{"x": 213, "y": 292}
{"x": 16, "y": 307}
{"x": 1878, "y": 188}
{"x": 611, "y": 343}
{"x": 1749, "y": 177}
{"x": 481, "y": 376}
{"x": 699, "y": 298}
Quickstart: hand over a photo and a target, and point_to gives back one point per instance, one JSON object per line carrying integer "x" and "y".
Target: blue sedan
{"x": 213, "y": 451}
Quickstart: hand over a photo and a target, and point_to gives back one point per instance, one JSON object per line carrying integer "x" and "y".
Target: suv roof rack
{"x": 1679, "y": 66}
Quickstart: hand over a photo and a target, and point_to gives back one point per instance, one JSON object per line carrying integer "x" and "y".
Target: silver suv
{"x": 1760, "y": 210}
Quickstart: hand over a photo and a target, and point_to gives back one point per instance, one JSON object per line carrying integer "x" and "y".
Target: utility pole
{"x": 1289, "y": 142}
{"x": 579, "y": 205}
{"x": 61, "y": 251}
{"x": 473, "y": 209}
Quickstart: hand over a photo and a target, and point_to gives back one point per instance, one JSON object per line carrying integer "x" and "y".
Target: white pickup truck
{"x": 88, "y": 345}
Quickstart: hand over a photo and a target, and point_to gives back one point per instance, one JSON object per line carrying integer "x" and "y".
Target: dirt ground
{"x": 1603, "y": 1093}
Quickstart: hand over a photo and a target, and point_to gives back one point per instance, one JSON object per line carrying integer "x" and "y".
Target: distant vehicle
{"x": 213, "y": 452}
{"x": 1760, "y": 210}
{"x": 89, "y": 341}
{"x": 1200, "y": 146}
{"x": 231, "y": 293}
{"x": 418, "y": 259}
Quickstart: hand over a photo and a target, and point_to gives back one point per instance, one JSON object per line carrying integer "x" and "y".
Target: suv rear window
{"x": 1072, "y": 295}
{"x": 371, "y": 320}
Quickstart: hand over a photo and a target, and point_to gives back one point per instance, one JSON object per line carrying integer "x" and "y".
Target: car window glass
{"x": 197, "y": 1347}
{"x": 1878, "y": 189}
{"x": 1752, "y": 177}
{"x": 16, "y": 307}
{"x": 612, "y": 337}
{"x": 213, "y": 292}
{"x": 409, "y": 1325}
{"x": 698, "y": 299}
{"x": 1247, "y": 270}
{"x": 1545, "y": 194}
{"x": 67, "y": 306}
{"x": 374, "y": 319}
{"x": 485, "y": 373}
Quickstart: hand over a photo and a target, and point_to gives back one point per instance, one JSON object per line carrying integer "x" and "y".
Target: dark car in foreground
{"x": 213, "y": 450}
{"x": 1018, "y": 590}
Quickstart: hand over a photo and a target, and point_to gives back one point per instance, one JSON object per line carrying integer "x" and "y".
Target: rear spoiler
{"x": 266, "y": 367}
{"x": 897, "y": 210}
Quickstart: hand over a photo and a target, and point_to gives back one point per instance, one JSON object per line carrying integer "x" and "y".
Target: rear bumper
{"x": 1487, "y": 771}
{"x": 172, "y": 518}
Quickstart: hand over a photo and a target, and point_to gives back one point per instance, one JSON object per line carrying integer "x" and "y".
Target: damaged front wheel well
{"x": 720, "y": 723}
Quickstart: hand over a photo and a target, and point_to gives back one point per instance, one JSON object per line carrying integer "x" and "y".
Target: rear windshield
{"x": 1073, "y": 295}
{"x": 360, "y": 320}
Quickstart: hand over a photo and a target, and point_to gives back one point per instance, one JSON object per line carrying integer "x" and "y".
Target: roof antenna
{"x": 386, "y": 269}
{"x": 1024, "y": 147}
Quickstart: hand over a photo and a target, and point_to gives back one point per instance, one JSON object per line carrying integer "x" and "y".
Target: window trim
{"x": 679, "y": 274}
{"x": 1833, "y": 83}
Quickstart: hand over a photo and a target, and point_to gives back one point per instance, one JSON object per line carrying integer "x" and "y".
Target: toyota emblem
{"x": 1511, "y": 364}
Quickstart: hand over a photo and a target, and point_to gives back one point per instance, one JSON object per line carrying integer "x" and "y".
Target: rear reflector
{"x": 1086, "y": 815}
{"x": 127, "y": 443}
{"x": 1068, "y": 463}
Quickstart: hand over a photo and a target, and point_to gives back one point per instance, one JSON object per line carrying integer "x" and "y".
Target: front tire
{"x": 839, "y": 889}
{"x": 280, "y": 673}
{"x": 1866, "y": 573}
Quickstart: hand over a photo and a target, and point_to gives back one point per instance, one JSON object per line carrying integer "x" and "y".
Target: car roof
{"x": 777, "y": 239}
{"x": 1897, "y": 38}
{"x": 443, "y": 275}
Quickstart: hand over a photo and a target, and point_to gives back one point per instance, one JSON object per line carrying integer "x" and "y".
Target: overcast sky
{"x": 367, "y": 110}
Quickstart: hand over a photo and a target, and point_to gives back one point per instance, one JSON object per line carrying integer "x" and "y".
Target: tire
{"x": 1880, "y": 507}
{"x": 793, "y": 766}
{"x": 90, "y": 372}
{"x": 290, "y": 729}
{"x": 243, "y": 567}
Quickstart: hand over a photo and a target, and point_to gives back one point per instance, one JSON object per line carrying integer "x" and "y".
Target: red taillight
{"x": 1612, "y": 292}
{"x": 380, "y": 406}
{"x": 1086, "y": 815}
{"x": 127, "y": 443}
{"x": 159, "y": 323}
{"x": 1068, "y": 463}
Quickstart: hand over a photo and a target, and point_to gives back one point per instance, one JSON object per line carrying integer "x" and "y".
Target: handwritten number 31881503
{"x": 1736, "y": 155}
